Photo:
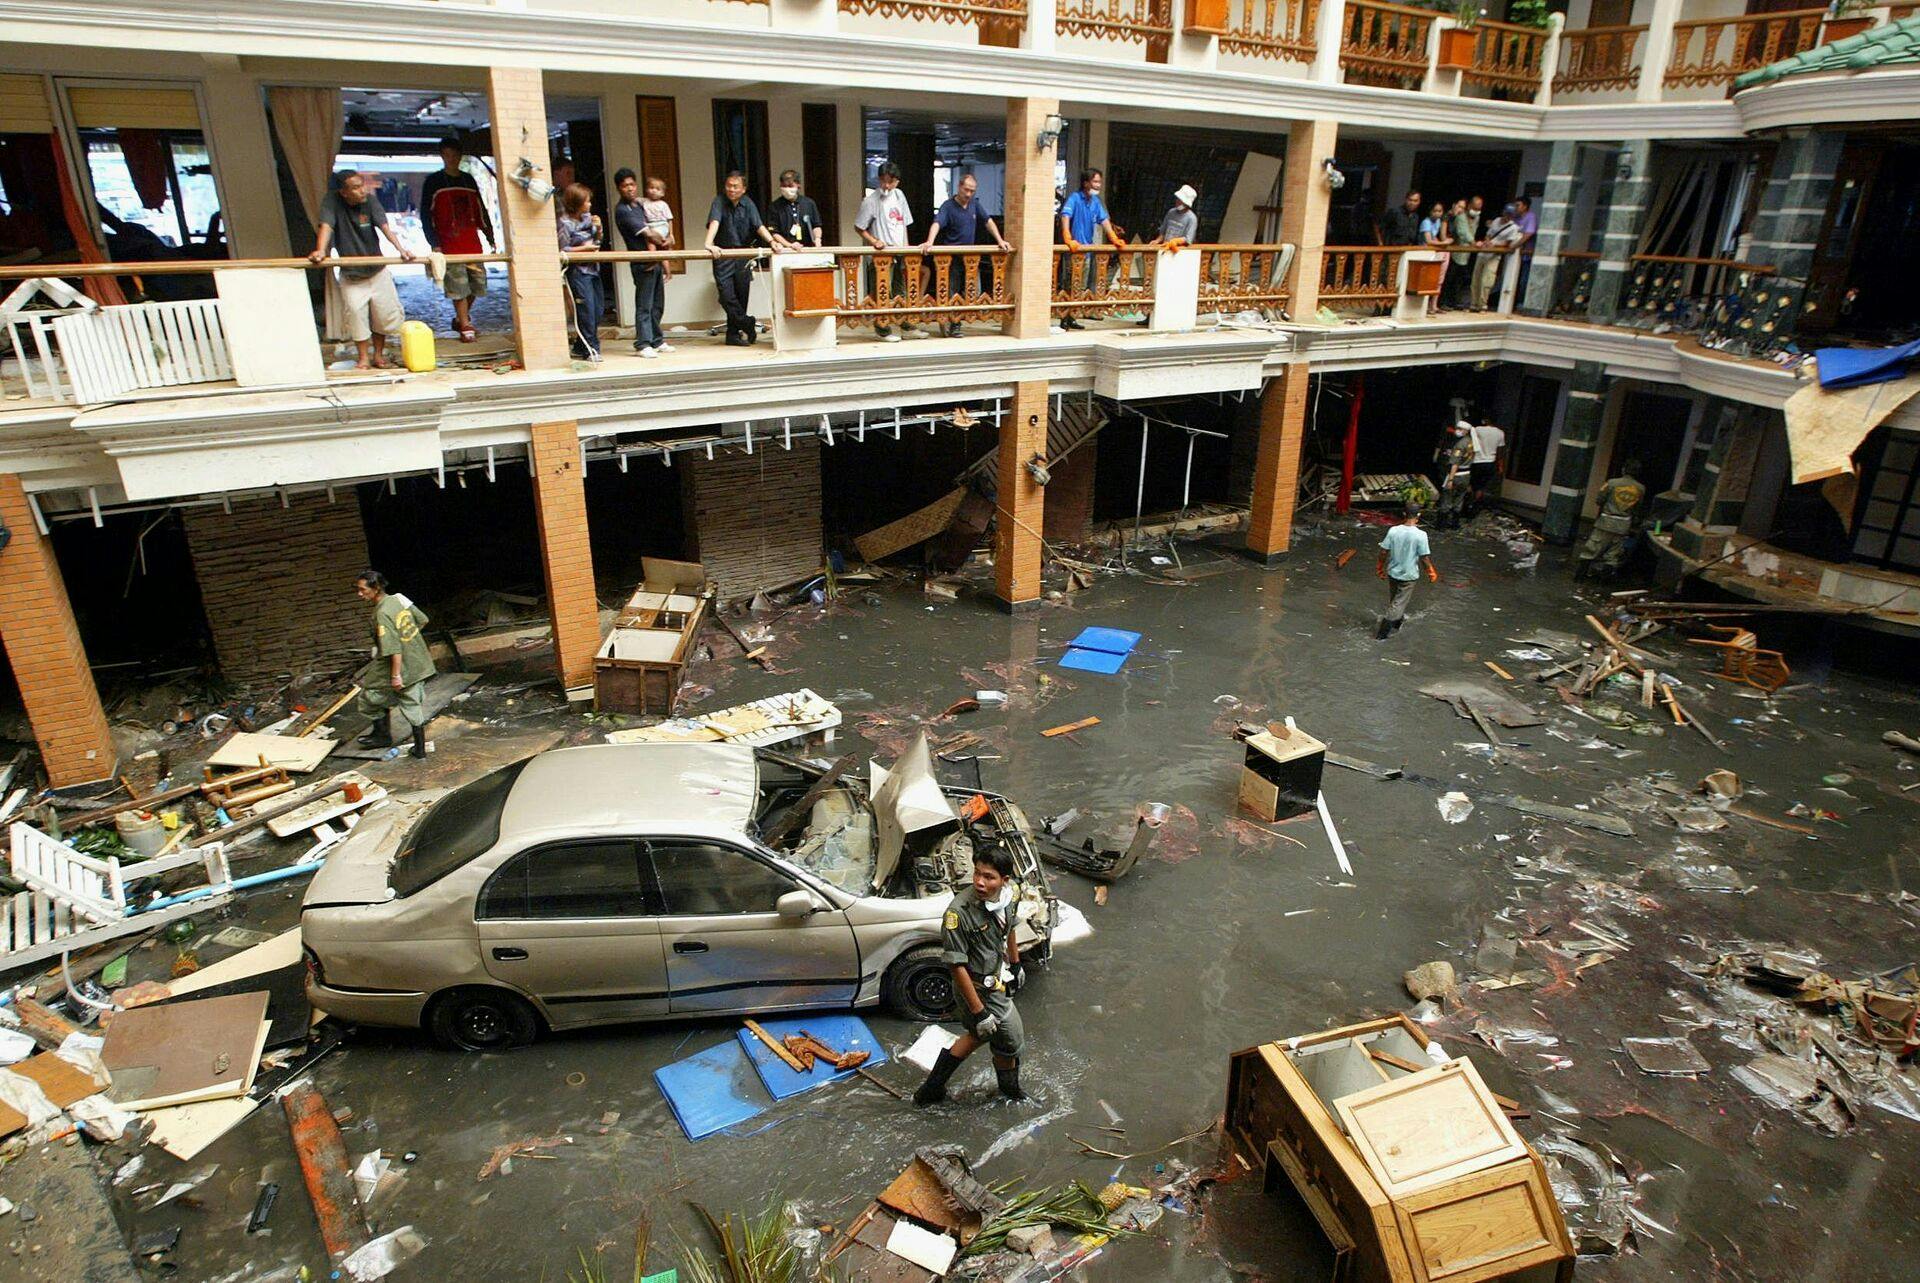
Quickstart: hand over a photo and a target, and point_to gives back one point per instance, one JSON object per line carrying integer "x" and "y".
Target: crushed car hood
{"x": 906, "y": 799}
{"x": 355, "y": 872}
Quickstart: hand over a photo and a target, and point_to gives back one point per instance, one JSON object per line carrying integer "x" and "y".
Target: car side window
{"x": 708, "y": 878}
{"x": 567, "y": 880}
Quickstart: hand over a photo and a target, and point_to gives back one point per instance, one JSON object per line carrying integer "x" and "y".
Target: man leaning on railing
{"x": 352, "y": 223}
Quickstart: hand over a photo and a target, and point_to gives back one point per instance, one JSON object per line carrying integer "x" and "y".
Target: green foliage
{"x": 1528, "y": 13}
{"x": 753, "y": 1250}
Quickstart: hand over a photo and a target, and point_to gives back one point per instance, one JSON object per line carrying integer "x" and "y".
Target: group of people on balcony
{"x": 1469, "y": 279}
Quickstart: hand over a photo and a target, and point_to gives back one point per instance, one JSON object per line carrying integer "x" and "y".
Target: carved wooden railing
{"x": 1385, "y": 44}
{"x": 1236, "y": 278}
{"x": 1281, "y": 29}
{"x": 1593, "y": 58}
{"x": 1360, "y": 273}
{"x": 1140, "y": 21}
{"x": 1506, "y": 58}
{"x": 1713, "y": 51}
{"x": 949, "y": 283}
{"x": 1676, "y": 291}
{"x": 1103, "y": 280}
{"x": 1004, "y": 14}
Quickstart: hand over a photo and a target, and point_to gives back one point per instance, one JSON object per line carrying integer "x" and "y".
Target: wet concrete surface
{"x": 1227, "y": 937}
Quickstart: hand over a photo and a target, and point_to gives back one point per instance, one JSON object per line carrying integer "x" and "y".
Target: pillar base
{"x": 1265, "y": 560}
{"x": 1017, "y": 609}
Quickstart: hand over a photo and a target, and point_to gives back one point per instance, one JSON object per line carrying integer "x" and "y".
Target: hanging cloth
{"x": 145, "y": 152}
{"x": 104, "y": 290}
{"x": 308, "y": 123}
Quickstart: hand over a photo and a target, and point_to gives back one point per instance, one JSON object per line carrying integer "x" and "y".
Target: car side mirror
{"x": 795, "y": 905}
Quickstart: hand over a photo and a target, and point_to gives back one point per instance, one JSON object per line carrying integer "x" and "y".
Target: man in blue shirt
{"x": 958, "y": 223}
{"x": 1083, "y": 222}
{"x": 1403, "y": 554}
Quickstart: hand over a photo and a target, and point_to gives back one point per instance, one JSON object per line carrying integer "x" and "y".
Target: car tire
{"x": 919, "y": 986}
{"x": 481, "y": 1019}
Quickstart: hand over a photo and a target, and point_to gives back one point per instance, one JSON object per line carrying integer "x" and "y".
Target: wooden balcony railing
{"x": 1103, "y": 280}
{"x": 1235, "y": 278}
{"x": 1139, "y": 21}
{"x": 1006, "y": 15}
{"x": 1361, "y": 273}
{"x": 952, "y": 283}
{"x": 1281, "y": 29}
{"x": 1506, "y": 58}
{"x": 1594, "y": 58}
{"x": 1713, "y": 51}
{"x": 1385, "y": 44}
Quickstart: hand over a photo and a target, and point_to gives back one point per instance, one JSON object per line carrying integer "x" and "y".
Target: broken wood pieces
{"x": 778, "y": 1048}
{"x": 323, "y": 1165}
{"x": 1068, "y": 729}
{"x": 808, "y": 1049}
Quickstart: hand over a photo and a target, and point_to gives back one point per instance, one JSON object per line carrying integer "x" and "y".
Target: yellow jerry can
{"x": 416, "y": 346}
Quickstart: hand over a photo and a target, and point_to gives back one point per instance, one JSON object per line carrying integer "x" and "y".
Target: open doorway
{"x": 1866, "y": 268}
{"x": 934, "y": 151}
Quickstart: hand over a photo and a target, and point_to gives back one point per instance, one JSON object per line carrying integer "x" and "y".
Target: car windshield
{"x": 459, "y": 827}
{"x": 838, "y": 846}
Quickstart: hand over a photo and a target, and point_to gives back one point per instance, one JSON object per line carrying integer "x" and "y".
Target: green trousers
{"x": 377, "y": 700}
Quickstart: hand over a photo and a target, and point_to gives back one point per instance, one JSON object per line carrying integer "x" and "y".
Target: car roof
{"x": 697, "y": 790}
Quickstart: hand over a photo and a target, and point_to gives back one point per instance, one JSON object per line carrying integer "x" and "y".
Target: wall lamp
{"x": 523, "y": 174}
{"x": 1050, "y": 130}
{"x": 1335, "y": 179}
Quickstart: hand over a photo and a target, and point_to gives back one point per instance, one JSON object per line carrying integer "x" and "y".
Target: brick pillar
{"x": 277, "y": 583}
{"x": 1276, "y": 468}
{"x": 43, "y": 645}
{"x": 1573, "y": 458}
{"x": 1619, "y": 227}
{"x": 1021, "y": 506}
{"x": 566, "y": 555}
{"x": 1303, "y": 209}
{"x": 1030, "y": 220}
{"x": 755, "y": 518}
{"x": 519, "y": 108}
{"x": 1070, "y": 495}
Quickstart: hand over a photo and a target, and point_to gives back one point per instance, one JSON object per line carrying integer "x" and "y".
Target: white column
{"x": 1440, "y": 80}
{"x": 1176, "y": 290}
{"x": 797, "y": 333}
{"x": 1199, "y": 51}
{"x": 803, "y": 15}
{"x": 1041, "y": 27}
{"x": 620, "y": 135}
{"x": 1549, "y": 60}
{"x": 1326, "y": 41}
{"x": 1658, "y": 47}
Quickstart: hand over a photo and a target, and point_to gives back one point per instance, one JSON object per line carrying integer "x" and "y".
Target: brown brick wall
{"x": 1069, "y": 509}
{"x": 518, "y": 106}
{"x": 566, "y": 555}
{"x": 755, "y": 518}
{"x": 1021, "y": 516}
{"x": 1276, "y": 471}
{"x": 43, "y": 646}
{"x": 277, "y": 584}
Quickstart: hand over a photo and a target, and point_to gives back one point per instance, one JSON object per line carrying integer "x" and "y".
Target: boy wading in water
{"x": 977, "y": 936}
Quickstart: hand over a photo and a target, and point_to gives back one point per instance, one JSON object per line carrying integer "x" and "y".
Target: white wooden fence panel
{"x": 117, "y": 350}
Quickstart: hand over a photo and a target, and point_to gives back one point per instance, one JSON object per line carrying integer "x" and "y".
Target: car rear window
{"x": 459, "y": 827}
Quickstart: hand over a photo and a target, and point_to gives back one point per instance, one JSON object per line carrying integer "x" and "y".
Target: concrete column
{"x": 1020, "y": 513}
{"x": 1042, "y": 29}
{"x": 1573, "y": 457}
{"x": 821, "y": 16}
{"x": 1620, "y": 227}
{"x": 1445, "y": 81}
{"x": 43, "y": 645}
{"x": 242, "y": 149}
{"x": 1030, "y": 217}
{"x": 1657, "y": 49}
{"x": 1328, "y": 28}
{"x": 1303, "y": 207}
{"x": 1550, "y": 60}
{"x": 519, "y": 110}
{"x": 1276, "y": 469}
{"x": 1196, "y": 48}
{"x": 566, "y": 554}
{"x": 1793, "y": 210}
{"x": 1556, "y": 218}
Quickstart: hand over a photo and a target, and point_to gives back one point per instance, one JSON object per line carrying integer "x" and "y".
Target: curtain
{"x": 308, "y": 124}
{"x": 145, "y": 153}
{"x": 101, "y": 289}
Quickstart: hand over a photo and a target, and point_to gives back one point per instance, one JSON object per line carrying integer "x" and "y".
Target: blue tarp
{"x": 1100, "y": 650}
{"x": 842, "y": 1033}
{"x": 1853, "y": 367}
{"x": 711, "y": 1090}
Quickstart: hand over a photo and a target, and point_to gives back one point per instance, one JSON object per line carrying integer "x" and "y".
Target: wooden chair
{"x": 1742, "y": 660}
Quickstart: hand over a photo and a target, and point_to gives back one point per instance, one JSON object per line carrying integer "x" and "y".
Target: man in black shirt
{"x": 794, "y": 218}
{"x": 733, "y": 222}
{"x": 1402, "y": 226}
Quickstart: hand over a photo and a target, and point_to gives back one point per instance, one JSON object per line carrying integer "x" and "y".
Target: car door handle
{"x": 689, "y": 946}
{"x": 509, "y": 955}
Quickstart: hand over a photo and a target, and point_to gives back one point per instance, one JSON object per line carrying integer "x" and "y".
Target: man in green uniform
{"x": 976, "y": 937}
{"x": 1455, "y": 458}
{"x": 1620, "y": 501}
{"x": 397, "y": 675}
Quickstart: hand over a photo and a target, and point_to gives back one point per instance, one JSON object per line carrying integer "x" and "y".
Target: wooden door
{"x": 660, "y": 158}
{"x": 1840, "y": 234}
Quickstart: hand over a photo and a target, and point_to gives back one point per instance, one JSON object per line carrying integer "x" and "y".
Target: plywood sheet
{"x": 1826, "y": 425}
{"x": 270, "y": 955}
{"x": 185, "y": 1052}
{"x": 62, "y": 1081}
{"x": 295, "y": 753}
{"x": 1433, "y": 1126}
{"x": 915, "y": 527}
{"x": 185, "y": 1130}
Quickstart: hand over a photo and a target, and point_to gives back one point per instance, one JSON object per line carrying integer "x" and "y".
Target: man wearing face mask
{"x": 793, "y": 218}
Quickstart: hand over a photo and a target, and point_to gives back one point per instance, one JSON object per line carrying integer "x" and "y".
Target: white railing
{"x": 116, "y": 350}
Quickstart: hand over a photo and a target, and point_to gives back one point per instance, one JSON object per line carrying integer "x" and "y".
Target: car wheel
{"x": 919, "y": 986}
{"x": 482, "y": 1020}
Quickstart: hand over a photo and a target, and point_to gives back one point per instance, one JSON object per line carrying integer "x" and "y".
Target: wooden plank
{"x": 62, "y": 1082}
{"x": 1071, "y": 727}
{"x": 776, "y": 1046}
{"x": 804, "y": 807}
{"x": 323, "y": 1165}
{"x": 293, "y": 752}
{"x": 915, "y": 527}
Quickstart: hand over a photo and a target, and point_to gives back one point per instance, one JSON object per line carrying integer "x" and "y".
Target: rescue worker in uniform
{"x": 976, "y": 937}
{"x": 1620, "y": 501}
{"x": 1455, "y": 457}
{"x": 396, "y": 677}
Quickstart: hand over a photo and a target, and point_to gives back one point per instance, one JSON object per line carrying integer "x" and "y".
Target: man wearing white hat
{"x": 1180, "y": 225}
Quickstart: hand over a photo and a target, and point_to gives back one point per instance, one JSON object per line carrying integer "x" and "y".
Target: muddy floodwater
{"x": 1229, "y": 935}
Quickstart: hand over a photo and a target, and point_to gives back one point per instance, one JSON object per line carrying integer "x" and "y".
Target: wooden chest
{"x": 1410, "y": 1168}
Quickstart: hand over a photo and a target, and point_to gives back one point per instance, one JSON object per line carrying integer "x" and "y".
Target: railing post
{"x": 804, "y": 15}
{"x": 1549, "y": 59}
{"x": 1445, "y": 81}
{"x": 1658, "y": 50}
{"x": 1329, "y": 25}
{"x": 1304, "y": 199}
{"x": 1195, "y": 47}
{"x": 1042, "y": 27}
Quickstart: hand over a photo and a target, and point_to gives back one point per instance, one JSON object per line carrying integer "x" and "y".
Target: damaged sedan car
{"x": 619, "y": 882}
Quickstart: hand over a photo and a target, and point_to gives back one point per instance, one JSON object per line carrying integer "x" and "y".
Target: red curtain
{"x": 146, "y": 155}
{"x": 101, "y": 289}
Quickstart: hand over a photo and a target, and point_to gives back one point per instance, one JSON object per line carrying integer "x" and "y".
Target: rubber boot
{"x": 1007, "y": 1071}
{"x": 934, "y": 1090}
{"x": 380, "y": 735}
{"x": 419, "y": 748}
{"x": 1380, "y": 632}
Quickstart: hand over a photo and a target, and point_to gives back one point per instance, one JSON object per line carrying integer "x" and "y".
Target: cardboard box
{"x": 1282, "y": 774}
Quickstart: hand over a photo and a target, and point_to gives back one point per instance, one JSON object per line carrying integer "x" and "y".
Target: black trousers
{"x": 649, "y": 303}
{"x": 734, "y": 282}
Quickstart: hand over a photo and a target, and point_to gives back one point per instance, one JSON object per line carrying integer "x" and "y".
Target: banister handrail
{"x": 1763, "y": 269}
{"x": 200, "y": 267}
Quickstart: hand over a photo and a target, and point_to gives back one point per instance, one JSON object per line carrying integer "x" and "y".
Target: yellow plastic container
{"x": 416, "y": 346}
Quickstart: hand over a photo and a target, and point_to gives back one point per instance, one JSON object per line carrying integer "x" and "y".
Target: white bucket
{"x": 142, "y": 831}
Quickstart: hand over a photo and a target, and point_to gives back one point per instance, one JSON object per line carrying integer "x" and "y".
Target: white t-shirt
{"x": 1487, "y": 442}
{"x": 886, "y": 215}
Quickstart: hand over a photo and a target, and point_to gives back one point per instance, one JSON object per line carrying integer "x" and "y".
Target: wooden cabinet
{"x": 812, "y": 291}
{"x": 639, "y": 666}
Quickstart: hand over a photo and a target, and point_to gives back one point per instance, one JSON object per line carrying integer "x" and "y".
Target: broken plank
{"x": 327, "y": 716}
{"x": 1772, "y": 821}
{"x": 1565, "y": 814}
{"x": 746, "y": 651}
{"x": 802, "y": 810}
{"x": 776, "y": 1046}
{"x": 1071, "y": 727}
{"x": 323, "y": 1164}
{"x": 1627, "y": 654}
{"x": 1364, "y": 767}
{"x": 1496, "y": 668}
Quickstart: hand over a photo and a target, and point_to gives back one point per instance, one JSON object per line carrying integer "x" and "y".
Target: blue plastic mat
{"x": 1114, "y": 641}
{"x": 1093, "y": 661}
{"x": 842, "y": 1033}
{"x": 1846, "y": 367}
{"x": 711, "y": 1090}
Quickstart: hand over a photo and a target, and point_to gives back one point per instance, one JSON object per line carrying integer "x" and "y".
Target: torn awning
{"x": 1825, "y": 426}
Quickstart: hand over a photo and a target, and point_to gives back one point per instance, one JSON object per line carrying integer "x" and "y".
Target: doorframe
{"x": 1534, "y": 495}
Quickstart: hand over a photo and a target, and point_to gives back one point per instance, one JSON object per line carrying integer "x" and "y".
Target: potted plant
{"x": 1846, "y": 18}
{"x": 1456, "y": 43}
